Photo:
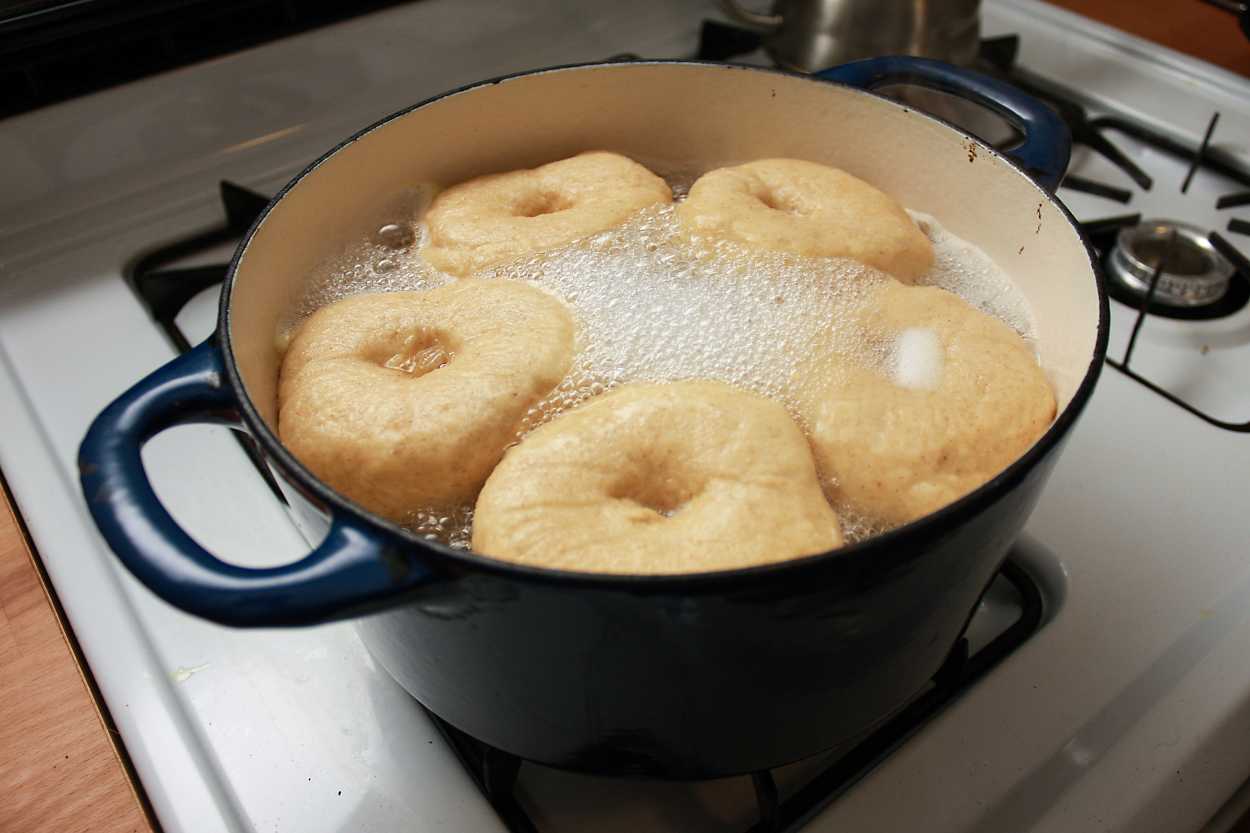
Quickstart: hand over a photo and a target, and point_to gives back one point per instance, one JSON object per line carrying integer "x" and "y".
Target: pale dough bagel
{"x": 658, "y": 478}
{"x": 406, "y": 400}
{"x": 809, "y": 209}
{"x": 961, "y": 398}
{"x": 500, "y": 217}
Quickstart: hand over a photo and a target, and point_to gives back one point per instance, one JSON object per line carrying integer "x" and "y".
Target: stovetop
{"x": 1126, "y": 710}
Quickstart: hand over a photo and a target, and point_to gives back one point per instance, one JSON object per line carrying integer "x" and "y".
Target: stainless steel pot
{"x": 678, "y": 676}
{"x": 809, "y": 35}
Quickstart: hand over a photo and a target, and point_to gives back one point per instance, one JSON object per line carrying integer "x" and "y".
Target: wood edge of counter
{"x": 66, "y": 720}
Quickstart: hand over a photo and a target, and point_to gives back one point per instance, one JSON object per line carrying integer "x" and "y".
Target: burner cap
{"x": 1194, "y": 273}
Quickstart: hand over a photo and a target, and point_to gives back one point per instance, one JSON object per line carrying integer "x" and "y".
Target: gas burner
{"x": 1131, "y": 249}
{"x": 1191, "y": 273}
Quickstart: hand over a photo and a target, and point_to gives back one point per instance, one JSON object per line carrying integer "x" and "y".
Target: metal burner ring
{"x": 1194, "y": 273}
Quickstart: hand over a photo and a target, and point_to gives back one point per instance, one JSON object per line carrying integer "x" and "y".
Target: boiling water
{"x": 653, "y": 305}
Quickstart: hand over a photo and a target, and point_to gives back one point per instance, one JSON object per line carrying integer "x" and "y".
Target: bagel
{"x": 807, "y": 209}
{"x": 658, "y": 478}
{"x": 500, "y": 217}
{"x": 960, "y": 398}
{"x": 407, "y": 400}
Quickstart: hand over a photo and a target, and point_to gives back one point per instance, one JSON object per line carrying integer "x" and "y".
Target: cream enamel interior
{"x": 708, "y": 115}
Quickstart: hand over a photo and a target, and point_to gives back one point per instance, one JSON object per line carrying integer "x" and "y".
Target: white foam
{"x": 452, "y": 526}
{"x": 385, "y": 262}
{"x": 855, "y": 526}
{"x": 918, "y": 359}
{"x": 652, "y": 306}
{"x": 962, "y": 268}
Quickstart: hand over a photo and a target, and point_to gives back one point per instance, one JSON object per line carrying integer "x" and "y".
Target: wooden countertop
{"x": 1190, "y": 26}
{"x": 60, "y": 771}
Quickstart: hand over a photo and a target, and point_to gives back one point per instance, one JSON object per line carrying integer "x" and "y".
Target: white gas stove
{"x": 1128, "y": 709}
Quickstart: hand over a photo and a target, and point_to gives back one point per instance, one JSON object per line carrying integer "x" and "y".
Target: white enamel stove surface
{"x": 1129, "y": 711}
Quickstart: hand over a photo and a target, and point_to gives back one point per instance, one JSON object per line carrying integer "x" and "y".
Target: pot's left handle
{"x": 350, "y": 572}
{"x": 1047, "y": 143}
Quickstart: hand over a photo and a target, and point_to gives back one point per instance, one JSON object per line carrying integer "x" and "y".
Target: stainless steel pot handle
{"x": 354, "y": 570}
{"x": 750, "y": 18}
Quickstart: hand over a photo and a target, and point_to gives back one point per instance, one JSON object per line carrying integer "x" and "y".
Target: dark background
{"x": 52, "y": 50}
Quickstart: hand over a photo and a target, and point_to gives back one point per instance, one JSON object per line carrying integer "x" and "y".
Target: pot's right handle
{"x": 749, "y": 18}
{"x": 1047, "y": 143}
{"x": 353, "y": 570}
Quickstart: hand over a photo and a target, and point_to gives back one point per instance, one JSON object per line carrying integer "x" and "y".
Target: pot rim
{"x": 851, "y": 556}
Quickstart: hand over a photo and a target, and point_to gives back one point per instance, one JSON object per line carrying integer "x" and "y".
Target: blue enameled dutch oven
{"x": 676, "y": 676}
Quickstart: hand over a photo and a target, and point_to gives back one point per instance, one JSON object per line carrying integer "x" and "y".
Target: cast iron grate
{"x": 165, "y": 289}
{"x": 496, "y": 773}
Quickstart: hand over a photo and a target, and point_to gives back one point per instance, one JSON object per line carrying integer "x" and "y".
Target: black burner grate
{"x": 165, "y": 290}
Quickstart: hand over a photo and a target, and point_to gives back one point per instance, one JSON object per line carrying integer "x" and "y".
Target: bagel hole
{"x": 543, "y": 202}
{"x": 778, "y": 202}
{"x": 661, "y": 495}
{"x": 418, "y": 354}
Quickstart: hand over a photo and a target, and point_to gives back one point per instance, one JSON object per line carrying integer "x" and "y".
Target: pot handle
{"x": 1047, "y": 143}
{"x": 747, "y": 17}
{"x": 350, "y": 572}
